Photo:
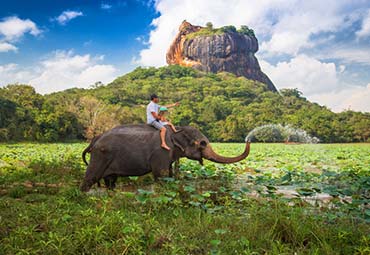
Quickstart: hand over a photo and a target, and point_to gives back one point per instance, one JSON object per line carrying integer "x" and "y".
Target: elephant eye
{"x": 203, "y": 144}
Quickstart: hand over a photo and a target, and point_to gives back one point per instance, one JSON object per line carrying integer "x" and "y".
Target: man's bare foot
{"x": 164, "y": 146}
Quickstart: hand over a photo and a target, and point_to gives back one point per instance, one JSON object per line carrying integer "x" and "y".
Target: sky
{"x": 322, "y": 48}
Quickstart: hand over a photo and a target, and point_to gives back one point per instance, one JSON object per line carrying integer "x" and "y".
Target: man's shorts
{"x": 157, "y": 125}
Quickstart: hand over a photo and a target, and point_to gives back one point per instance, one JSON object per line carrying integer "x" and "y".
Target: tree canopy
{"x": 224, "y": 107}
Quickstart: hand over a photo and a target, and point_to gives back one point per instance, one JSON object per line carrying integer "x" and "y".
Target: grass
{"x": 215, "y": 209}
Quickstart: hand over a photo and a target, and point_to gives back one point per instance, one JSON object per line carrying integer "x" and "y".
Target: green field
{"x": 283, "y": 199}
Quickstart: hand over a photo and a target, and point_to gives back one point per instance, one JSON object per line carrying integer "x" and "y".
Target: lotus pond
{"x": 283, "y": 199}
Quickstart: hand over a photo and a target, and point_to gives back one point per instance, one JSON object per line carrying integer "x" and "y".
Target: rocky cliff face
{"x": 230, "y": 51}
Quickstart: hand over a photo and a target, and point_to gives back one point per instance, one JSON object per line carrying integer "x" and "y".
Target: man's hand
{"x": 173, "y": 105}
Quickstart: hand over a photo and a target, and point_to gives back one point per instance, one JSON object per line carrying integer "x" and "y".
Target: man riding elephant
{"x": 153, "y": 119}
{"x": 134, "y": 150}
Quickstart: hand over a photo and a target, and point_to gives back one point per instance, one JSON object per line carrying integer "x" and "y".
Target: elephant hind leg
{"x": 94, "y": 173}
{"x": 110, "y": 181}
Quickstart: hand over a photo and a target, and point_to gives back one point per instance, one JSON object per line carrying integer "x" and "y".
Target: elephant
{"x": 134, "y": 150}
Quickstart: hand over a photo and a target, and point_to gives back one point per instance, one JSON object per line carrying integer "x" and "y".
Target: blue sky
{"x": 103, "y": 28}
{"x": 320, "y": 47}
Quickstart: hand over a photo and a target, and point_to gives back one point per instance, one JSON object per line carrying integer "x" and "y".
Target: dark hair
{"x": 152, "y": 96}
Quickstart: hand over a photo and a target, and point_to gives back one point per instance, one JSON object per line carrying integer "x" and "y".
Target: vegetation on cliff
{"x": 224, "y": 107}
{"x": 209, "y": 31}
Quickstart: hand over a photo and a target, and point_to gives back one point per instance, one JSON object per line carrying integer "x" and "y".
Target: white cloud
{"x": 351, "y": 55}
{"x": 175, "y": 11}
{"x": 13, "y": 28}
{"x": 347, "y": 54}
{"x": 105, "y": 6}
{"x": 286, "y": 26}
{"x": 5, "y": 47}
{"x": 92, "y": 74}
{"x": 299, "y": 22}
{"x": 65, "y": 70}
{"x": 365, "y": 27}
{"x": 353, "y": 97}
{"x": 60, "y": 71}
{"x": 318, "y": 81}
{"x": 66, "y": 16}
{"x": 342, "y": 68}
{"x": 308, "y": 75}
{"x": 12, "y": 73}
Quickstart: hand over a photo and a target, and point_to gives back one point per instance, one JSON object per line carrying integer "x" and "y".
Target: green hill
{"x": 222, "y": 106}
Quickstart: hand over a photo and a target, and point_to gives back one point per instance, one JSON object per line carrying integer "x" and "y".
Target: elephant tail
{"x": 89, "y": 148}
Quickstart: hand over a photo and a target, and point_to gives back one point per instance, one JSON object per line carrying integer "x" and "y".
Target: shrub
{"x": 228, "y": 29}
{"x": 209, "y": 25}
{"x": 245, "y": 30}
{"x": 4, "y": 135}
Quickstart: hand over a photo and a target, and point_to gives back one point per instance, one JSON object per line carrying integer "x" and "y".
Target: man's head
{"x": 154, "y": 98}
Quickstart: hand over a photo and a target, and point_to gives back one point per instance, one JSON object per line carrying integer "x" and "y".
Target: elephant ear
{"x": 180, "y": 140}
{"x": 178, "y": 145}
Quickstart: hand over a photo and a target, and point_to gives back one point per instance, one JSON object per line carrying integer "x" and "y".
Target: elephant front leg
{"x": 160, "y": 172}
{"x": 160, "y": 168}
{"x": 174, "y": 169}
{"x": 170, "y": 172}
{"x": 160, "y": 162}
{"x": 177, "y": 168}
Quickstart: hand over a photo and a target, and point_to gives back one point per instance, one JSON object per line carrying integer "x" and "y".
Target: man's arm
{"x": 155, "y": 115}
{"x": 172, "y": 105}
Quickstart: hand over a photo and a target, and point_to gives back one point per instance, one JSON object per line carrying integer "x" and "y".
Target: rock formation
{"x": 228, "y": 51}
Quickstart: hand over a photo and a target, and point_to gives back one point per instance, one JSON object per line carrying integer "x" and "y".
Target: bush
{"x": 245, "y": 30}
{"x": 209, "y": 25}
{"x": 228, "y": 29}
{"x": 4, "y": 135}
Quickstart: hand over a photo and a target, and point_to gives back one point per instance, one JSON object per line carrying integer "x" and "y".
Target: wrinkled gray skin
{"x": 134, "y": 150}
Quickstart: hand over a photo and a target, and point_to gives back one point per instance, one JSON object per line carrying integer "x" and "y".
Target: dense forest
{"x": 224, "y": 107}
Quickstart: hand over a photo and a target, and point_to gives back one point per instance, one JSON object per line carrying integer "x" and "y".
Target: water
{"x": 280, "y": 133}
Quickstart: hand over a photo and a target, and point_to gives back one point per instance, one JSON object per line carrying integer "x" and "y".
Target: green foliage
{"x": 205, "y": 31}
{"x": 212, "y": 209}
{"x": 209, "y": 25}
{"x": 245, "y": 30}
{"x": 224, "y": 107}
{"x": 291, "y": 93}
{"x": 228, "y": 29}
{"x": 268, "y": 133}
{"x": 210, "y": 31}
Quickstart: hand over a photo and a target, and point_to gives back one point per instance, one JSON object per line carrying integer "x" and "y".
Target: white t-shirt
{"x": 151, "y": 107}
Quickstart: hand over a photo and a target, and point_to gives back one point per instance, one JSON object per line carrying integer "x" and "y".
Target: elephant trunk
{"x": 209, "y": 154}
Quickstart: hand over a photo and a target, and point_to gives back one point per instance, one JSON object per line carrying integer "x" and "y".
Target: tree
{"x": 246, "y": 31}
{"x": 222, "y": 106}
{"x": 96, "y": 85}
{"x": 209, "y": 25}
{"x": 291, "y": 93}
{"x": 228, "y": 29}
{"x": 97, "y": 117}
